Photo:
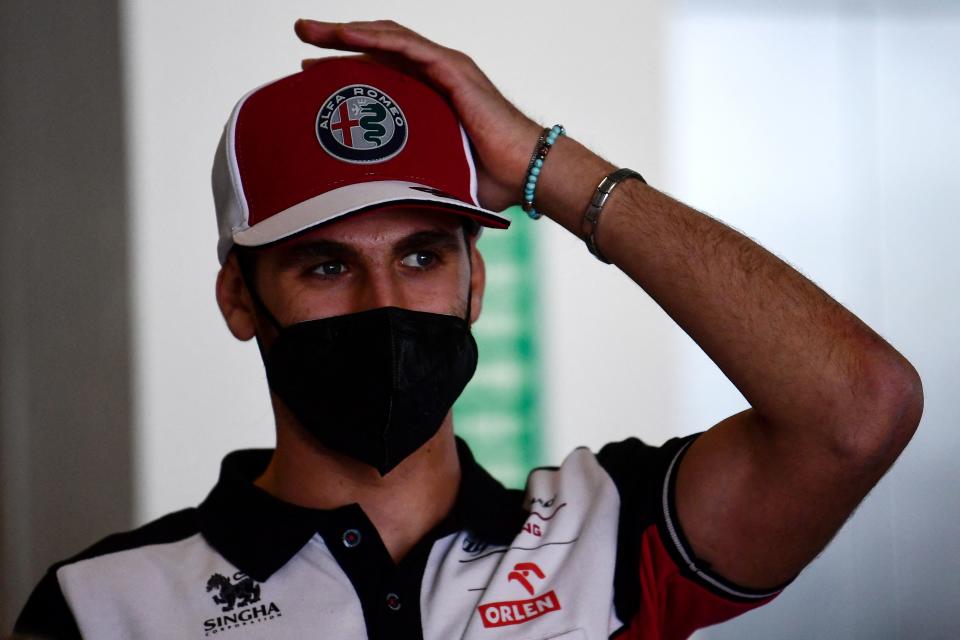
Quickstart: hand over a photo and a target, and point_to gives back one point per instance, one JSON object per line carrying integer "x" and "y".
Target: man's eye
{"x": 419, "y": 260}
{"x": 330, "y": 269}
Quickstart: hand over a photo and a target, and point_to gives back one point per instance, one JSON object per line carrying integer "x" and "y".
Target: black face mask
{"x": 374, "y": 385}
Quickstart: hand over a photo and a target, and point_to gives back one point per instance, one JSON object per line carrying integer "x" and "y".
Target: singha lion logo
{"x": 231, "y": 595}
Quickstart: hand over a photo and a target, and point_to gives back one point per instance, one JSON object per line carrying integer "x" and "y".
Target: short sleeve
{"x": 662, "y": 591}
{"x": 46, "y": 614}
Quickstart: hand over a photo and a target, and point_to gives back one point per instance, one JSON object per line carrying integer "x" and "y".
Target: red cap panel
{"x": 341, "y": 122}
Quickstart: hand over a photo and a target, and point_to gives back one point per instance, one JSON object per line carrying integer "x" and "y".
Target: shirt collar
{"x": 259, "y": 534}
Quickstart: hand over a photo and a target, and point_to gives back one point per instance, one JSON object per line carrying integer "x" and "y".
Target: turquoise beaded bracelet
{"x": 544, "y": 142}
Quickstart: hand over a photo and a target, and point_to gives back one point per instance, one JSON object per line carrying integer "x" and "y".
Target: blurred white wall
{"x": 827, "y": 135}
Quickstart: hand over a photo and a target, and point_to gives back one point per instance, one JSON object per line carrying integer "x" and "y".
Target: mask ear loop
{"x": 470, "y": 285}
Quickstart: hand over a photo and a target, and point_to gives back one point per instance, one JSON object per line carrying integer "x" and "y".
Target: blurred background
{"x": 825, "y": 130}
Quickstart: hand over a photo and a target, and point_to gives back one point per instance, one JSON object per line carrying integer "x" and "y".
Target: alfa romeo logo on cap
{"x": 361, "y": 124}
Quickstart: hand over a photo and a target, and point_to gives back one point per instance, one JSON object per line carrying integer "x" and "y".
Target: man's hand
{"x": 502, "y": 136}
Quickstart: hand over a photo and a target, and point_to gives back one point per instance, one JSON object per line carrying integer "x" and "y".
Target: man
{"x": 348, "y": 202}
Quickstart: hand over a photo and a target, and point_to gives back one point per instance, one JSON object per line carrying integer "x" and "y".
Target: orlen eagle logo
{"x": 240, "y": 600}
{"x": 361, "y": 124}
{"x": 501, "y": 614}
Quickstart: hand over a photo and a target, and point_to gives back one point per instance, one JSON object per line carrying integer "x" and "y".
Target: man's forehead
{"x": 380, "y": 226}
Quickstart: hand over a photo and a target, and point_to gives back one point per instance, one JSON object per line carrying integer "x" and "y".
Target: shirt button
{"x": 351, "y": 538}
{"x": 393, "y": 602}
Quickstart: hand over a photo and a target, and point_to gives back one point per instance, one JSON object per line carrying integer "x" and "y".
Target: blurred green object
{"x": 499, "y": 412}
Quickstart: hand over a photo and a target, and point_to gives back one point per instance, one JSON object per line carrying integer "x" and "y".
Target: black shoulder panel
{"x": 638, "y": 470}
{"x": 46, "y": 614}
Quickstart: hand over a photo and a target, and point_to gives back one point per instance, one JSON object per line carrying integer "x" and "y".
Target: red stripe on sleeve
{"x": 673, "y": 606}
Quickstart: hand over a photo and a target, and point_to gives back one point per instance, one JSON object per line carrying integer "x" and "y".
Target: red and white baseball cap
{"x": 344, "y": 136}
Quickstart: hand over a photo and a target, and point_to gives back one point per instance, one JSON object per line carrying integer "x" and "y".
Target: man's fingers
{"x": 307, "y": 28}
{"x": 322, "y": 34}
{"x": 327, "y": 34}
{"x": 375, "y": 36}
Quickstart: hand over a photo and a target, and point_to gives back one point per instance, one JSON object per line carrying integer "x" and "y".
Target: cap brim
{"x": 355, "y": 198}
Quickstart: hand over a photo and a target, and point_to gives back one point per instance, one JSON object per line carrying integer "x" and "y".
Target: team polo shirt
{"x": 591, "y": 549}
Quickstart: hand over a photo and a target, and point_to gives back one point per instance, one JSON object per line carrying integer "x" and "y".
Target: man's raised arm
{"x": 832, "y": 404}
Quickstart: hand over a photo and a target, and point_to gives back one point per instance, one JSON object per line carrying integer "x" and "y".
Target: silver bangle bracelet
{"x": 591, "y": 218}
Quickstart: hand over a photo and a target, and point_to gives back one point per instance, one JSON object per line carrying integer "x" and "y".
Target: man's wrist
{"x": 591, "y": 218}
{"x": 568, "y": 182}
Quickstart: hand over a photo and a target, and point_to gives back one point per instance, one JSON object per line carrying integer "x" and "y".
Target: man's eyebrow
{"x": 313, "y": 249}
{"x": 440, "y": 239}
